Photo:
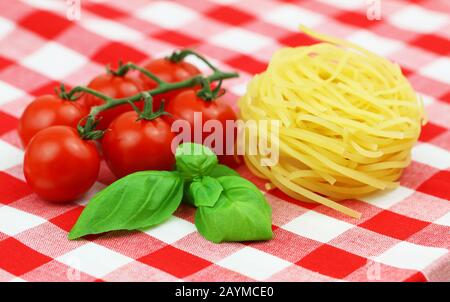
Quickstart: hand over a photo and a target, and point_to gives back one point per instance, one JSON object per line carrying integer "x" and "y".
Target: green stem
{"x": 88, "y": 130}
{"x": 78, "y": 89}
{"x": 178, "y": 56}
{"x": 123, "y": 69}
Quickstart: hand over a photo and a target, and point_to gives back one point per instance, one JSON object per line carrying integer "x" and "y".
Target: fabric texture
{"x": 403, "y": 235}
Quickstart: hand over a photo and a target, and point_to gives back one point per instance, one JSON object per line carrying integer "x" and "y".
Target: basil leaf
{"x": 205, "y": 191}
{"x": 217, "y": 171}
{"x": 137, "y": 201}
{"x": 222, "y": 170}
{"x": 241, "y": 213}
{"x": 194, "y": 160}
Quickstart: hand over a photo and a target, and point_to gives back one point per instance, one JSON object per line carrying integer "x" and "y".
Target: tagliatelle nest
{"x": 348, "y": 120}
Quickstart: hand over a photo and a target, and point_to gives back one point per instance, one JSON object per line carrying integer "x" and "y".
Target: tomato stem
{"x": 88, "y": 130}
{"x": 180, "y": 55}
{"x": 124, "y": 68}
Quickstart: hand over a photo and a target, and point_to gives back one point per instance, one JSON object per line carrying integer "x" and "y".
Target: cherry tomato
{"x": 115, "y": 87}
{"x": 187, "y": 103}
{"x": 131, "y": 145}
{"x": 170, "y": 72}
{"x": 60, "y": 166}
{"x": 46, "y": 111}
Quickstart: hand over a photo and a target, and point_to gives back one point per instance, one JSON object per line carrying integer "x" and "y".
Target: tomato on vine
{"x": 49, "y": 110}
{"x": 169, "y": 71}
{"x": 113, "y": 86}
{"x": 137, "y": 141}
{"x": 212, "y": 108}
{"x": 59, "y": 165}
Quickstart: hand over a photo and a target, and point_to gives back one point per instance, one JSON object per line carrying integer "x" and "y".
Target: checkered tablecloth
{"x": 402, "y": 235}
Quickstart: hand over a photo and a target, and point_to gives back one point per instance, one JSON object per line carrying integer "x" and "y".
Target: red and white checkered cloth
{"x": 402, "y": 235}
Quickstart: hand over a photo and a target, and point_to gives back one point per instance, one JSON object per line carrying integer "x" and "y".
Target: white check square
{"x": 291, "y": 16}
{"x": 427, "y": 100}
{"x": 10, "y": 156}
{"x": 374, "y": 43}
{"x": 13, "y": 221}
{"x": 167, "y": 14}
{"x": 346, "y": 4}
{"x": 239, "y": 89}
{"x": 444, "y": 220}
{"x": 438, "y": 70}
{"x": 172, "y": 230}
{"x": 415, "y": 18}
{"x": 17, "y": 279}
{"x": 241, "y": 40}
{"x": 94, "y": 260}
{"x": 410, "y": 256}
{"x": 112, "y": 30}
{"x": 254, "y": 263}
{"x": 9, "y": 93}
{"x": 59, "y": 6}
{"x": 54, "y": 61}
{"x": 431, "y": 155}
{"x": 317, "y": 226}
{"x": 386, "y": 199}
{"x": 6, "y": 27}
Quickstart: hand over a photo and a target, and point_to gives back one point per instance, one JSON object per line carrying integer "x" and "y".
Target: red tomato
{"x": 130, "y": 145}
{"x": 60, "y": 166}
{"x": 169, "y": 72}
{"x": 46, "y": 111}
{"x": 115, "y": 87}
{"x": 187, "y": 103}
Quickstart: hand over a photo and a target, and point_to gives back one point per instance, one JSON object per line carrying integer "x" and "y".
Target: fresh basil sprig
{"x": 241, "y": 212}
{"x": 194, "y": 160}
{"x": 137, "y": 201}
{"x": 229, "y": 207}
{"x": 205, "y": 191}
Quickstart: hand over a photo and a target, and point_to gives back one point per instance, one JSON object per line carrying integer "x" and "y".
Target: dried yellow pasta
{"x": 348, "y": 120}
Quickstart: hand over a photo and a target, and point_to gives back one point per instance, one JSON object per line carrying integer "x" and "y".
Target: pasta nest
{"x": 348, "y": 120}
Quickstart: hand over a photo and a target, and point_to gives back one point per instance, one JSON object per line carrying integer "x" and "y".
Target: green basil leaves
{"x": 139, "y": 200}
{"x": 240, "y": 214}
{"x": 229, "y": 207}
{"x": 194, "y": 160}
{"x": 205, "y": 191}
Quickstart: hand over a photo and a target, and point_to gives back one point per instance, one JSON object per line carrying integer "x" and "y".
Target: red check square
{"x": 175, "y": 261}
{"x": 115, "y": 51}
{"x": 12, "y": 189}
{"x": 297, "y": 39}
{"x": 176, "y": 38}
{"x": 417, "y": 277}
{"x": 67, "y": 220}
{"x": 230, "y": 15}
{"x": 445, "y": 97}
{"x": 7, "y": 122}
{"x": 356, "y": 19}
{"x": 331, "y": 261}
{"x": 437, "y": 185}
{"x": 430, "y": 131}
{"x": 247, "y": 64}
{"x": 105, "y": 10}
{"x": 45, "y": 23}
{"x": 394, "y": 225}
{"x": 17, "y": 258}
{"x": 4, "y": 62}
{"x": 433, "y": 43}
